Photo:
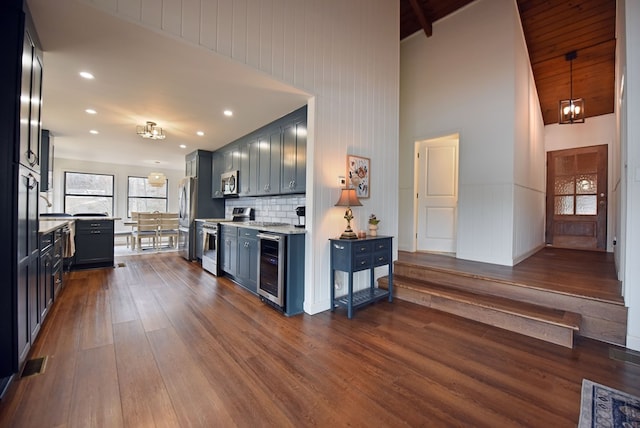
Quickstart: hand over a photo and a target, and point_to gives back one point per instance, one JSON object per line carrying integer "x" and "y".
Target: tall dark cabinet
{"x": 20, "y": 78}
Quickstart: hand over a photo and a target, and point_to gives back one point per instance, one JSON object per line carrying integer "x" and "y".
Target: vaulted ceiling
{"x": 552, "y": 28}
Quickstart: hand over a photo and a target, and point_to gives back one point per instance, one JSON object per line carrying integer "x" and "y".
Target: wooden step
{"x": 551, "y": 325}
{"x": 602, "y": 318}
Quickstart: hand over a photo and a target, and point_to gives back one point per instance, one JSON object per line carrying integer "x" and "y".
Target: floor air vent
{"x": 34, "y": 366}
{"x": 121, "y": 265}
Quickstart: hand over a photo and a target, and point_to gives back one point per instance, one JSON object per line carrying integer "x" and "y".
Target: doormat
{"x": 34, "y": 366}
{"x": 602, "y": 406}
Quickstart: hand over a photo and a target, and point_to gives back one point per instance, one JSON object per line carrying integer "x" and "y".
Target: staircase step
{"x": 552, "y": 325}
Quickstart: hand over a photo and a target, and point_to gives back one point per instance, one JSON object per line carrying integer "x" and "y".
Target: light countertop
{"x": 287, "y": 229}
{"x": 49, "y": 225}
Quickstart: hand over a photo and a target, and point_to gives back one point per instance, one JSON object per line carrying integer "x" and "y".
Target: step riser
{"x": 602, "y": 321}
{"x": 531, "y": 328}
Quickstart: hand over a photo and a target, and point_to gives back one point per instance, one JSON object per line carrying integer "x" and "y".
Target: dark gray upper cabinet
{"x": 46, "y": 161}
{"x": 271, "y": 160}
{"x": 200, "y": 164}
{"x": 294, "y": 156}
{"x": 217, "y": 168}
{"x": 269, "y": 163}
{"x": 31, "y": 90}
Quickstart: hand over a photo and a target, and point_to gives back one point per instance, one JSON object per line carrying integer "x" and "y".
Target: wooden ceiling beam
{"x": 425, "y": 23}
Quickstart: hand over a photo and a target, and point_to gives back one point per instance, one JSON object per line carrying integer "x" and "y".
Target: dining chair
{"x": 168, "y": 228}
{"x": 147, "y": 227}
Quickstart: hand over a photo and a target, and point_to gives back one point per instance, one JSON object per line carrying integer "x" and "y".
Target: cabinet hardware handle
{"x": 32, "y": 158}
{"x": 338, "y": 247}
{"x": 30, "y": 181}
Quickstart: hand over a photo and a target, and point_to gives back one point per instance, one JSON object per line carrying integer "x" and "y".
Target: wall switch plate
{"x": 342, "y": 181}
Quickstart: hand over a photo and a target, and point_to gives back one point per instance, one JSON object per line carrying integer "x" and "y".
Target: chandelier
{"x": 151, "y": 131}
{"x": 157, "y": 179}
{"x": 571, "y": 110}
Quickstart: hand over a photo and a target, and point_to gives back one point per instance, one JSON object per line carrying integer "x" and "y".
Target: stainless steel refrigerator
{"x": 195, "y": 201}
{"x": 187, "y": 202}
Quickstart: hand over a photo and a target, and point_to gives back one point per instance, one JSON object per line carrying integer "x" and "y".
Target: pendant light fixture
{"x": 157, "y": 179}
{"x": 150, "y": 131}
{"x": 571, "y": 110}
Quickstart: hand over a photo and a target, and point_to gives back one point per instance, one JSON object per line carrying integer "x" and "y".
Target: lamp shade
{"x": 156, "y": 179}
{"x": 348, "y": 198}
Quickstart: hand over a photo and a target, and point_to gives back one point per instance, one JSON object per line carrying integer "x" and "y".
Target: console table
{"x": 354, "y": 255}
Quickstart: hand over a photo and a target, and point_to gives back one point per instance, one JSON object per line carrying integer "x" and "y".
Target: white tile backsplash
{"x": 276, "y": 208}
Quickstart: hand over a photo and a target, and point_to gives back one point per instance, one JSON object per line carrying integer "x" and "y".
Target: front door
{"x": 577, "y": 198}
{"x": 437, "y": 194}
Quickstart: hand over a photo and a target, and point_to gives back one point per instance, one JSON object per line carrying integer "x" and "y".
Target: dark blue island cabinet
{"x": 357, "y": 255}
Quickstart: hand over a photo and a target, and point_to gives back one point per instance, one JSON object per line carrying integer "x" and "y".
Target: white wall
{"x": 473, "y": 77}
{"x": 346, "y": 54}
{"x": 628, "y": 102}
{"x": 121, "y": 174}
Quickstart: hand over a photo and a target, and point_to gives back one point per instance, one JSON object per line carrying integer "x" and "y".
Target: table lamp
{"x": 348, "y": 198}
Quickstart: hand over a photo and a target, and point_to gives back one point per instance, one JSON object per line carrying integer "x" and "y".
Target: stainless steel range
{"x": 211, "y": 238}
{"x": 211, "y": 247}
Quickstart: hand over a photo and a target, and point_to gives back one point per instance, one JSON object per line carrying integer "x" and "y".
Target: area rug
{"x": 602, "y": 406}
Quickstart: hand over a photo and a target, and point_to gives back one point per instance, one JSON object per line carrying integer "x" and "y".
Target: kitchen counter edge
{"x": 288, "y": 229}
{"x": 49, "y": 224}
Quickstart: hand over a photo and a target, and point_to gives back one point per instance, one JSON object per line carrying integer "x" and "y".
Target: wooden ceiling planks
{"x": 552, "y": 28}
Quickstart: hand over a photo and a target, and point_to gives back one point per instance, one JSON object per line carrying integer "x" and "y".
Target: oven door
{"x": 210, "y": 250}
{"x": 271, "y": 268}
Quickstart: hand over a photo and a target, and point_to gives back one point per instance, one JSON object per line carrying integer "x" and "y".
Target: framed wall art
{"x": 358, "y": 175}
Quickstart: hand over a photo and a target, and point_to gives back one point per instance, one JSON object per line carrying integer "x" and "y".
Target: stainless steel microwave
{"x": 229, "y": 183}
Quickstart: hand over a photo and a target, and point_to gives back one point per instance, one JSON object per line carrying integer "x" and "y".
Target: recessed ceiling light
{"x": 183, "y": 146}
{"x": 86, "y": 75}
{"x": 228, "y": 113}
{"x": 94, "y": 132}
{"x": 91, "y": 111}
{"x": 200, "y": 133}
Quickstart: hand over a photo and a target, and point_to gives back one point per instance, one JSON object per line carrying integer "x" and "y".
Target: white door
{"x": 437, "y": 194}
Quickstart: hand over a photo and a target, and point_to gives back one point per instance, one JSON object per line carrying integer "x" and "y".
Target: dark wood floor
{"x": 575, "y": 272}
{"x": 159, "y": 342}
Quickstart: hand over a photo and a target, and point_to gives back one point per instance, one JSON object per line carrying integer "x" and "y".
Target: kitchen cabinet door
{"x": 229, "y": 250}
{"x": 248, "y": 172}
{"x": 46, "y": 277}
{"x": 269, "y": 162}
{"x": 31, "y": 90}
{"x": 248, "y": 259}
{"x": 294, "y": 157}
{"x": 199, "y": 240}
{"x": 46, "y": 161}
{"x": 217, "y": 168}
{"x": 94, "y": 243}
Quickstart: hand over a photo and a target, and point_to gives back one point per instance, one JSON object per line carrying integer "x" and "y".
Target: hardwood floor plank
{"x": 96, "y": 398}
{"x": 191, "y": 349}
{"x": 150, "y": 312}
{"x": 196, "y": 402}
{"x": 145, "y": 400}
{"x": 96, "y": 327}
{"x": 123, "y": 306}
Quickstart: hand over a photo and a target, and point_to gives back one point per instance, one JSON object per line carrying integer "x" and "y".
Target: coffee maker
{"x": 300, "y": 211}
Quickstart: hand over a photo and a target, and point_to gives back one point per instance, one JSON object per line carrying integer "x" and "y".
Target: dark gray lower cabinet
{"x": 229, "y": 250}
{"x": 94, "y": 244}
{"x": 45, "y": 283}
{"x": 247, "y": 273}
{"x": 199, "y": 240}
